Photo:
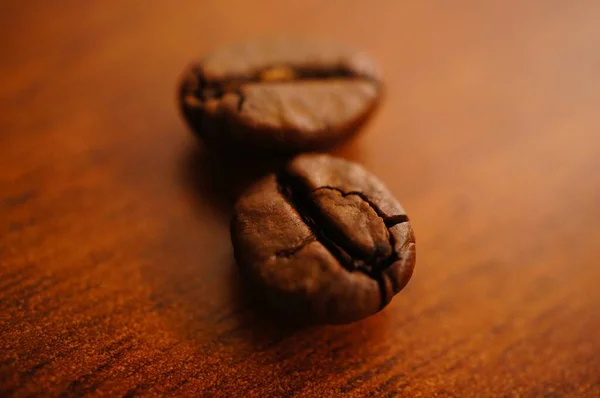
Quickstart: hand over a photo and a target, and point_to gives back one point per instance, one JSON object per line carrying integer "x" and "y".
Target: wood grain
{"x": 116, "y": 270}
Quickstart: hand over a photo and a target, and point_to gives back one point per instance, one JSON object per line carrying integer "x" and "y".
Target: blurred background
{"x": 116, "y": 272}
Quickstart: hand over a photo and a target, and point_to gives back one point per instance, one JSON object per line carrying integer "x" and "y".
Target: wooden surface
{"x": 116, "y": 270}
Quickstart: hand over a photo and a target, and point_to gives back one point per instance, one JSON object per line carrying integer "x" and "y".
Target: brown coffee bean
{"x": 279, "y": 95}
{"x": 324, "y": 240}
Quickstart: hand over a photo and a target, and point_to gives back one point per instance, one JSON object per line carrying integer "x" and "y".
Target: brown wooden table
{"x": 116, "y": 270}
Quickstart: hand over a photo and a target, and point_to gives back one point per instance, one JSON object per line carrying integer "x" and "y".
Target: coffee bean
{"x": 324, "y": 240}
{"x": 279, "y": 95}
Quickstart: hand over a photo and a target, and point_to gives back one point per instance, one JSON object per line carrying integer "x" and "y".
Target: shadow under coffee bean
{"x": 324, "y": 240}
{"x": 219, "y": 180}
{"x": 279, "y": 95}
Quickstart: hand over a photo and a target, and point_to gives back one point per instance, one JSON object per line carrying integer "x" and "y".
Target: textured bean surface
{"x": 279, "y": 94}
{"x": 116, "y": 269}
{"x": 324, "y": 239}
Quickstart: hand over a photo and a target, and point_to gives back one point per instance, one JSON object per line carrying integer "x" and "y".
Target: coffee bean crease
{"x": 292, "y": 190}
{"x": 389, "y": 221}
{"x": 216, "y": 89}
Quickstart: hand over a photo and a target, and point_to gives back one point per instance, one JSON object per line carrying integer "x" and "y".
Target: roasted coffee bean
{"x": 279, "y": 95}
{"x": 324, "y": 240}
